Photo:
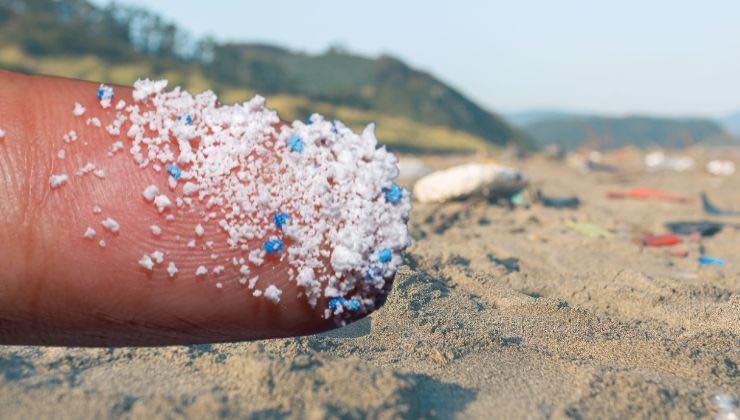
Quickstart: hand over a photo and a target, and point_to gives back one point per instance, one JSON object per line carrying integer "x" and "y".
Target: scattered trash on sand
{"x": 704, "y": 260}
{"x": 566, "y": 202}
{"x": 591, "y": 163}
{"x": 647, "y": 194}
{"x": 702, "y": 227}
{"x": 710, "y": 208}
{"x": 658, "y": 161}
{"x": 678, "y": 252}
{"x": 665, "y": 239}
{"x": 489, "y": 180}
{"x": 721, "y": 167}
{"x": 588, "y": 229}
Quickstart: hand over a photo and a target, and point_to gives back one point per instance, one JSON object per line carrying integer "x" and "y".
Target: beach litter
{"x": 665, "y": 239}
{"x": 588, "y": 229}
{"x": 702, "y": 227}
{"x": 704, "y": 260}
{"x": 678, "y": 251}
{"x": 721, "y": 167}
{"x": 565, "y": 202}
{"x": 710, "y": 208}
{"x": 658, "y": 161}
{"x": 487, "y": 180}
{"x": 647, "y": 194}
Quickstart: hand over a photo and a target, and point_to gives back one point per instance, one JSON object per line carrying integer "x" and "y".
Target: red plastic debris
{"x": 647, "y": 194}
{"x": 666, "y": 239}
{"x": 678, "y": 252}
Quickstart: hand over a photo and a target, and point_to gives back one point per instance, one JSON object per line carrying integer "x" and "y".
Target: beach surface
{"x": 497, "y": 312}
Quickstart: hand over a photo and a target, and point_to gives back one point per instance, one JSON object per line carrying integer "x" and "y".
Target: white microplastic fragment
{"x": 101, "y": 243}
{"x": 110, "y": 224}
{"x": 99, "y": 173}
{"x": 89, "y": 233}
{"x": 162, "y": 202}
{"x": 273, "y": 293}
{"x": 201, "y": 271}
{"x": 146, "y": 262}
{"x": 61, "y": 154}
{"x": 172, "y": 269}
{"x": 158, "y": 256}
{"x": 93, "y": 121}
{"x": 85, "y": 169}
{"x": 156, "y": 230}
{"x": 219, "y": 285}
{"x": 189, "y": 188}
{"x": 218, "y": 269}
{"x": 257, "y": 293}
{"x": 78, "y": 110}
{"x": 2, "y": 134}
{"x": 57, "y": 180}
{"x": 150, "y": 192}
{"x": 191, "y": 243}
{"x": 199, "y": 230}
{"x": 97, "y": 210}
{"x": 70, "y": 136}
{"x": 115, "y": 146}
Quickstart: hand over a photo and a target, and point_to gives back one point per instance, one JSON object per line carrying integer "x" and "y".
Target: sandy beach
{"x": 496, "y": 313}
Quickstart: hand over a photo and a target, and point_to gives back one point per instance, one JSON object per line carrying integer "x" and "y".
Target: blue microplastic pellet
{"x": 188, "y": 119}
{"x": 295, "y": 143}
{"x": 385, "y": 255}
{"x": 353, "y": 305}
{"x": 711, "y": 261}
{"x": 280, "y": 219}
{"x": 273, "y": 245}
{"x": 393, "y": 193}
{"x": 335, "y": 302}
{"x": 105, "y": 92}
{"x": 174, "y": 171}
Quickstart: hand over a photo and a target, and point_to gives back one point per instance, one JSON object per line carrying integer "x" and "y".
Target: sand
{"x": 496, "y": 313}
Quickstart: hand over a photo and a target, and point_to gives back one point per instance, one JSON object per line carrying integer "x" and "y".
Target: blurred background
{"x": 471, "y": 76}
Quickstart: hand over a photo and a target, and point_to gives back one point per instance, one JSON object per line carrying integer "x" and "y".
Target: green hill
{"x": 573, "y": 131}
{"x": 74, "y": 38}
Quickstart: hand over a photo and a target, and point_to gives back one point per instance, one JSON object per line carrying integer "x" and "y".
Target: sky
{"x": 669, "y": 58}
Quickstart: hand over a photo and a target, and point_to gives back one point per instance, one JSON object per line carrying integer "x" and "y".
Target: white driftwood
{"x": 461, "y": 181}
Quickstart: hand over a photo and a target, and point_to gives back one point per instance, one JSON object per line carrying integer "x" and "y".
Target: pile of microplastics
{"x": 314, "y": 195}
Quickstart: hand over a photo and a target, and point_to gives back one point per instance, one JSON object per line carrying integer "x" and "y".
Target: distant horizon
{"x": 665, "y": 59}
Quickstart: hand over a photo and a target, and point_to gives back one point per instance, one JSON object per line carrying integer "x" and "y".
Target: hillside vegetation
{"x": 414, "y": 111}
{"x": 572, "y": 131}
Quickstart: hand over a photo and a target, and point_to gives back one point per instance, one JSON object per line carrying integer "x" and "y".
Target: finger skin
{"x": 59, "y": 288}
